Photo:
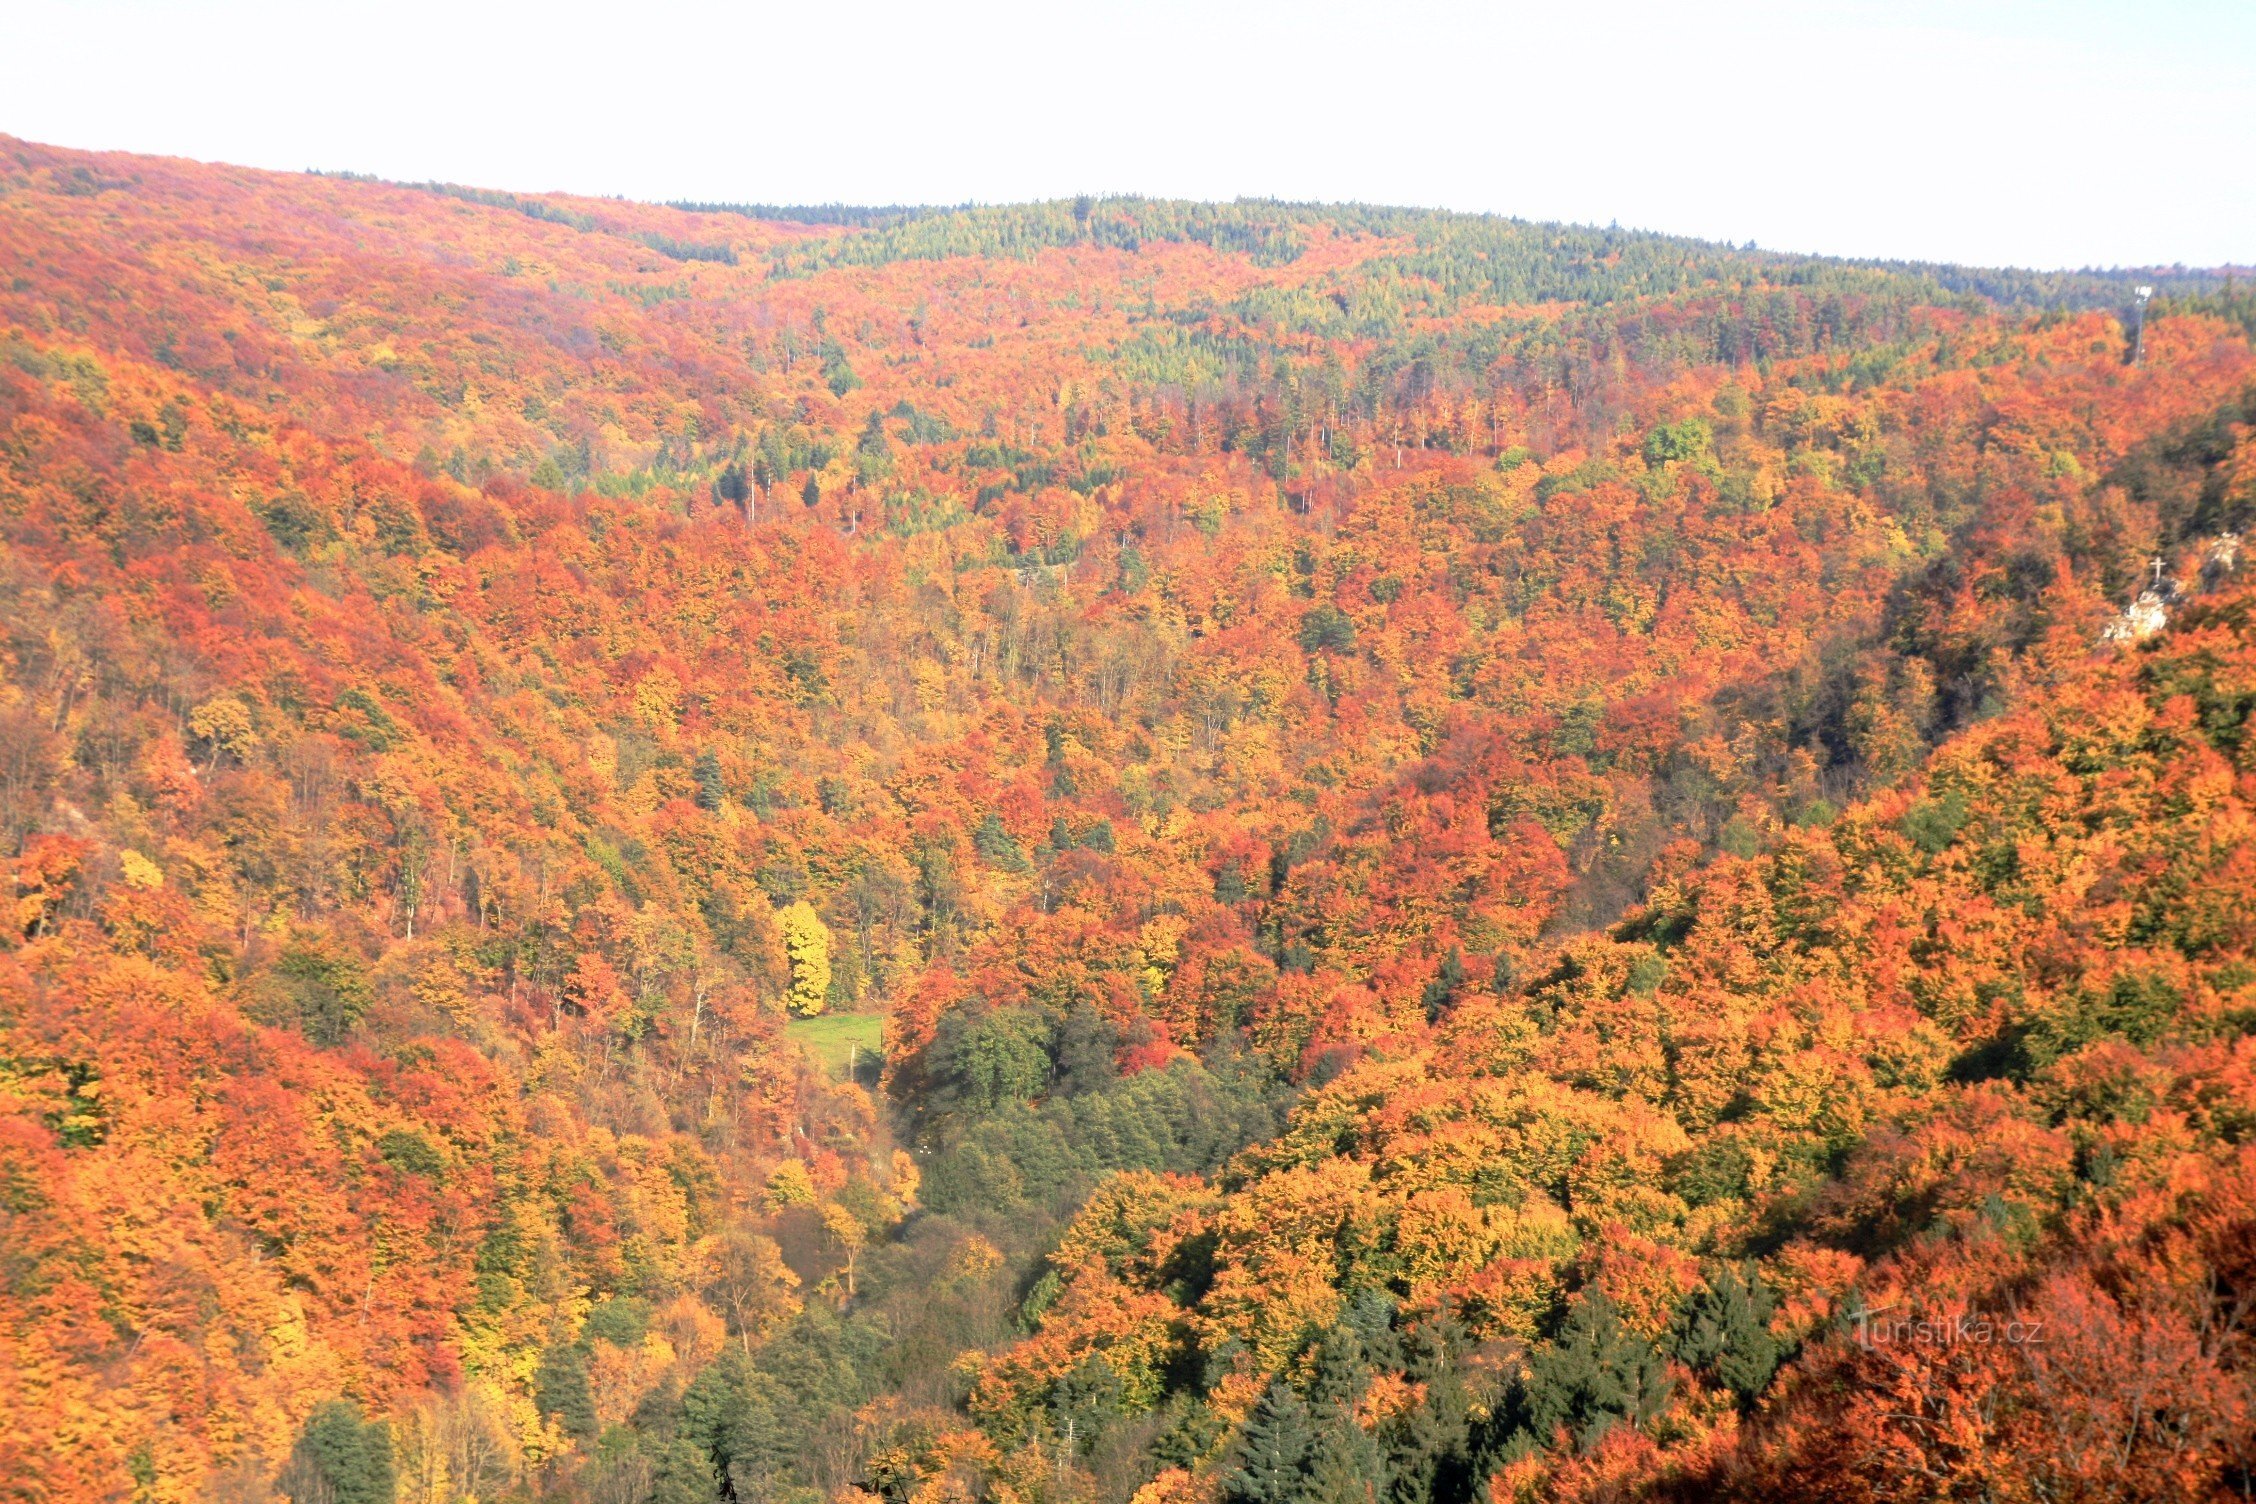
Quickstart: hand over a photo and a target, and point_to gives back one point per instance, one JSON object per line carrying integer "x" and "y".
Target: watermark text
{"x": 1887, "y": 1326}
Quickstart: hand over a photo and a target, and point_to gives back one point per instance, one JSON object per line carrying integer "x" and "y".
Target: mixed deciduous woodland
{"x": 1245, "y": 854}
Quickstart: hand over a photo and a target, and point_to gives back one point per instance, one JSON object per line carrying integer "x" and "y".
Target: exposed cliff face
{"x": 2216, "y": 562}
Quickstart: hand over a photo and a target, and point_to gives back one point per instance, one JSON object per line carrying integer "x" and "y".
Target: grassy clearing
{"x": 834, "y": 1039}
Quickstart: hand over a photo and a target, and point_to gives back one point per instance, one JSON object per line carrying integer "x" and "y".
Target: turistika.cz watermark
{"x": 1883, "y": 1326}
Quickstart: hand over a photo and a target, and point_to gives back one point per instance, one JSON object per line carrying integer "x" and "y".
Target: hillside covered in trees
{"x": 1208, "y": 854}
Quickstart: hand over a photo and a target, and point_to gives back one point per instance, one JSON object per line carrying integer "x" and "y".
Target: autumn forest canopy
{"x": 1112, "y": 850}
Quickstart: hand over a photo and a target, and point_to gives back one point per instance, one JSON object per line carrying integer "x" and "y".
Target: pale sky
{"x": 2067, "y": 133}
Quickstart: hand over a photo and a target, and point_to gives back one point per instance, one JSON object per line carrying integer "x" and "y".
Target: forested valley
{"x": 1109, "y": 851}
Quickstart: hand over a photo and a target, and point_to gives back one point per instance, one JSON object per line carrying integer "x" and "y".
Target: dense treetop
{"x": 1475, "y": 844}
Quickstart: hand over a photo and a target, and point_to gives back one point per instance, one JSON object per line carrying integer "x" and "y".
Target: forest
{"x": 1110, "y": 852}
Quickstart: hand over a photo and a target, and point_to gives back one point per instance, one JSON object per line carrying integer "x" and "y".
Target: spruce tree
{"x": 1085, "y": 1046}
{"x": 1346, "y": 1465}
{"x": 1371, "y": 1313}
{"x": 1274, "y": 1453}
{"x": 1429, "y": 1451}
{"x": 1596, "y": 1373}
{"x": 1724, "y": 1330}
{"x": 560, "y": 1389}
{"x": 339, "y": 1459}
{"x": 1341, "y": 1373}
{"x": 711, "y": 791}
{"x": 1085, "y": 1402}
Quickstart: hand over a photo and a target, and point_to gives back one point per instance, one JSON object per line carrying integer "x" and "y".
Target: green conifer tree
{"x": 341, "y": 1459}
{"x": 1724, "y": 1329}
{"x": 1274, "y": 1453}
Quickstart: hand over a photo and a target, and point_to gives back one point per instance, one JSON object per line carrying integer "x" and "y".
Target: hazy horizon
{"x": 709, "y": 204}
{"x": 2070, "y": 136}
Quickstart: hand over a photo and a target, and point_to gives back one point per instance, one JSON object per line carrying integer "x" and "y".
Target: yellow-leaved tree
{"x": 806, "y": 941}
